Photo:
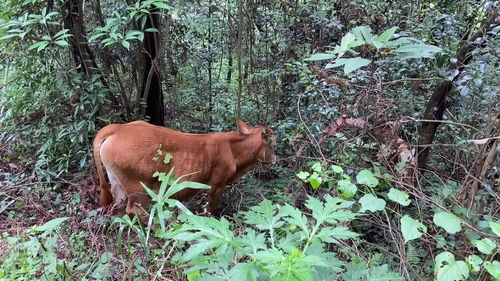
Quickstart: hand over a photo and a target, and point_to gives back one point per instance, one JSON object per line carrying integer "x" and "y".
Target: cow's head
{"x": 265, "y": 153}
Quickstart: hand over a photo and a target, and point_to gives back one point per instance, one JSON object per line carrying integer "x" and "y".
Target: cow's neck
{"x": 245, "y": 151}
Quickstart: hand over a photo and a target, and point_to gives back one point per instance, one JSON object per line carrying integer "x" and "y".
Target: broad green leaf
{"x": 333, "y": 234}
{"x": 495, "y": 227}
{"x": 346, "y": 188}
{"x": 296, "y": 217}
{"x": 302, "y": 175}
{"x": 416, "y": 51}
{"x": 350, "y": 64}
{"x": 126, "y": 44}
{"x": 448, "y": 269}
{"x": 337, "y": 169}
{"x": 371, "y": 203}
{"x": 448, "y": 221}
{"x": 411, "y": 228}
{"x": 493, "y": 268}
{"x": 50, "y": 225}
{"x": 244, "y": 271}
{"x": 194, "y": 275}
{"x": 367, "y": 177}
{"x": 363, "y": 33}
{"x": 61, "y": 43}
{"x": 387, "y": 35}
{"x": 484, "y": 245}
{"x": 264, "y": 216}
{"x": 315, "y": 180}
{"x": 320, "y": 56}
{"x": 162, "y": 5}
{"x": 344, "y": 44}
{"x": 475, "y": 262}
{"x": 317, "y": 167}
{"x": 382, "y": 273}
{"x": 329, "y": 211}
{"x": 399, "y": 196}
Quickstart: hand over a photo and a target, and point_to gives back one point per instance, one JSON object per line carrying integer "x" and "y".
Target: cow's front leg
{"x": 214, "y": 195}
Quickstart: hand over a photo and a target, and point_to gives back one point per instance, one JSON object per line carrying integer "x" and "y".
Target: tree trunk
{"x": 240, "y": 76}
{"x": 151, "y": 91}
{"x": 80, "y": 51}
{"x": 437, "y": 103}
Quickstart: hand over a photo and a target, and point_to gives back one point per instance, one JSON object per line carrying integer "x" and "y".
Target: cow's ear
{"x": 243, "y": 127}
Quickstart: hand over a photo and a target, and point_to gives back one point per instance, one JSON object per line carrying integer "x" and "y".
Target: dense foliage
{"x": 387, "y": 117}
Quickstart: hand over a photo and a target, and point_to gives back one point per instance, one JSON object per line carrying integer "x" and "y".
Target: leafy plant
{"x": 402, "y": 48}
{"x": 278, "y": 243}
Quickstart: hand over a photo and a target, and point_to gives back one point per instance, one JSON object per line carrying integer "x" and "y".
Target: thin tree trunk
{"x": 240, "y": 76}
{"x": 151, "y": 90}
{"x": 210, "y": 98}
{"x": 437, "y": 103}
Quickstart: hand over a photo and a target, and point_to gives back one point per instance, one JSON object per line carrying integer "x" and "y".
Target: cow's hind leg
{"x": 138, "y": 204}
{"x": 214, "y": 195}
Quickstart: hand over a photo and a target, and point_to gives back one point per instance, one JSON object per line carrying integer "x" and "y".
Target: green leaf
{"x": 320, "y": 56}
{"x": 416, "y": 51}
{"x": 371, "y": 203}
{"x": 167, "y": 158}
{"x": 493, "y": 269}
{"x": 296, "y": 217}
{"x": 50, "y": 225}
{"x": 345, "y": 43}
{"x": 329, "y": 211}
{"x": 151, "y": 29}
{"x": 411, "y": 228}
{"x": 302, "y": 175}
{"x": 495, "y": 227}
{"x": 475, "y": 262}
{"x": 367, "y": 177}
{"x": 315, "y": 180}
{"x": 399, "y": 197}
{"x": 162, "y": 5}
{"x": 265, "y": 216}
{"x": 382, "y": 273}
{"x": 194, "y": 275}
{"x": 337, "y": 169}
{"x": 62, "y": 43}
{"x": 448, "y": 221}
{"x": 448, "y": 269}
{"x": 363, "y": 33}
{"x": 387, "y": 35}
{"x": 350, "y": 64}
{"x": 346, "y": 188}
{"x": 484, "y": 245}
{"x": 126, "y": 44}
{"x": 244, "y": 272}
{"x": 333, "y": 234}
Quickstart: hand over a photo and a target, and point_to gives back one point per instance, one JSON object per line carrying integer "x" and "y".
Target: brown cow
{"x": 128, "y": 153}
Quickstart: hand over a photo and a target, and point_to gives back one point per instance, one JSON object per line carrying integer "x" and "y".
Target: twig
{"x": 438, "y": 121}
{"x": 309, "y": 133}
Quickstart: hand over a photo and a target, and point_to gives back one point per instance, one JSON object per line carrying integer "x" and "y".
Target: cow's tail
{"x": 105, "y": 198}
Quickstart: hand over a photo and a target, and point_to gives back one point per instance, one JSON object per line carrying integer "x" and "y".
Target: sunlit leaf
{"x": 371, "y": 203}
{"x": 448, "y": 269}
{"x": 484, "y": 245}
{"x": 399, "y": 196}
{"x": 411, "y": 228}
{"x": 448, "y": 221}
{"x": 366, "y": 177}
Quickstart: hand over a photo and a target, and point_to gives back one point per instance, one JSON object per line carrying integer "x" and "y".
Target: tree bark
{"x": 240, "y": 76}
{"x": 151, "y": 90}
{"x": 80, "y": 51}
{"x": 437, "y": 103}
